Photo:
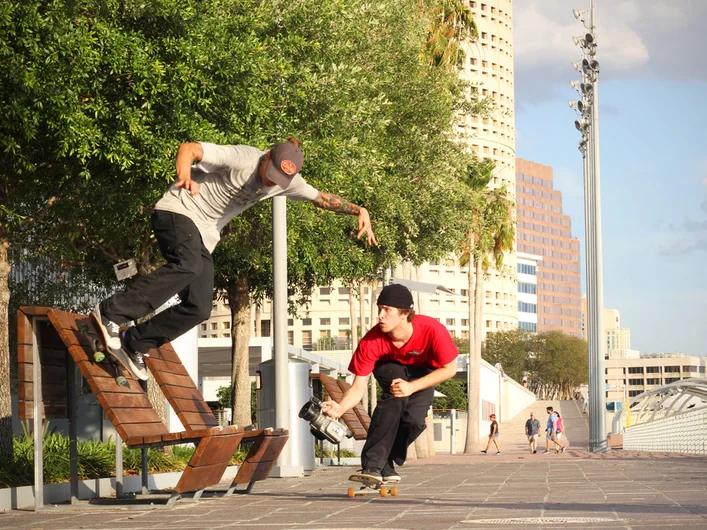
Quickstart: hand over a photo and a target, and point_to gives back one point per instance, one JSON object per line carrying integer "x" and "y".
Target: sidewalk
{"x": 576, "y": 489}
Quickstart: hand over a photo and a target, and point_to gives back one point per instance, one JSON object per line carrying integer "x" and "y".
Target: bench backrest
{"x": 179, "y": 389}
{"x": 356, "y": 419}
{"x": 127, "y": 407}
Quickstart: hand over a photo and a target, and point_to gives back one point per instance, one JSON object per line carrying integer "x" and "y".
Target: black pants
{"x": 396, "y": 422}
{"x": 189, "y": 272}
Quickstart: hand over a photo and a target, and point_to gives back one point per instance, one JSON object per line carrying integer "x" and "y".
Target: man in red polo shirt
{"x": 408, "y": 354}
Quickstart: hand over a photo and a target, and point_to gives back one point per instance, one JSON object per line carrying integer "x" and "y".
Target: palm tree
{"x": 491, "y": 235}
{"x": 453, "y": 23}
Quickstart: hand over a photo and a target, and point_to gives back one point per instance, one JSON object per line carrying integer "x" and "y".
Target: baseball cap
{"x": 286, "y": 160}
{"x": 395, "y": 295}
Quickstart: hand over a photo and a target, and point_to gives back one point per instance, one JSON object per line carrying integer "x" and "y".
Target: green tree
{"x": 455, "y": 392}
{"x": 559, "y": 365}
{"x": 491, "y": 235}
{"x": 451, "y": 27}
{"x": 510, "y": 348}
{"x": 99, "y": 94}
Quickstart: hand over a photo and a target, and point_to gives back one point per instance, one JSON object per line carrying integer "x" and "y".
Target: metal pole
{"x": 597, "y": 423}
{"x": 280, "y": 360}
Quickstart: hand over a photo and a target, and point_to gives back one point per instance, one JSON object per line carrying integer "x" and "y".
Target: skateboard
{"x": 101, "y": 352}
{"x": 371, "y": 484}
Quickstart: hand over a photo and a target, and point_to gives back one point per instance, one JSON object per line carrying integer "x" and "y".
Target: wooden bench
{"x": 356, "y": 419}
{"x": 187, "y": 402}
{"x": 55, "y": 338}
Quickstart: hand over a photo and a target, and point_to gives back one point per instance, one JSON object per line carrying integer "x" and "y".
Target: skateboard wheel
{"x": 99, "y": 356}
{"x": 352, "y": 493}
{"x": 394, "y": 491}
{"x": 121, "y": 380}
{"x": 384, "y": 492}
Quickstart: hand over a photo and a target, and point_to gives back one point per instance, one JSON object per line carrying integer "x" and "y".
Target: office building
{"x": 543, "y": 229}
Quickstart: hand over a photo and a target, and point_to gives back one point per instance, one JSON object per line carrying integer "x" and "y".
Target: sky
{"x": 653, "y": 171}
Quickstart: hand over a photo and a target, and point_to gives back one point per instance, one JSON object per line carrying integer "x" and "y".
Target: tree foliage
{"x": 98, "y": 94}
{"x": 555, "y": 363}
{"x": 455, "y": 395}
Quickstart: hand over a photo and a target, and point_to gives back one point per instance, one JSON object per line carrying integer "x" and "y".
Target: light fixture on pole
{"x": 588, "y": 126}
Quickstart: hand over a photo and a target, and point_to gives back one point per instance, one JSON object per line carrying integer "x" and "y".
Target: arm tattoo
{"x": 334, "y": 203}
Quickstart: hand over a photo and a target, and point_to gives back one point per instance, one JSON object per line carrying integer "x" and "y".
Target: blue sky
{"x": 653, "y": 112}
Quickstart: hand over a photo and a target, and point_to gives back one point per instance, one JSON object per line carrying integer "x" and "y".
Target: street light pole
{"x": 588, "y": 126}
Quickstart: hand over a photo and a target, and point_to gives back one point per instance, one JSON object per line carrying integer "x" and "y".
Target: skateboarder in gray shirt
{"x": 215, "y": 183}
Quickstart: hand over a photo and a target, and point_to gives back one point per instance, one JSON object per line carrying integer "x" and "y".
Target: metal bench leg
{"x": 173, "y": 499}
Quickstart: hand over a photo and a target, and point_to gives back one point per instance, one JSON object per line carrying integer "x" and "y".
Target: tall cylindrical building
{"x": 488, "y": 65}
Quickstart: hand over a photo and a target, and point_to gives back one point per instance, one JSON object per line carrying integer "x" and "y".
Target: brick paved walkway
{"x": 571, "y": 490}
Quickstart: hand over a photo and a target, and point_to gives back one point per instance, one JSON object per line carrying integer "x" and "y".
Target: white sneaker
{"x": 110, "y": 330}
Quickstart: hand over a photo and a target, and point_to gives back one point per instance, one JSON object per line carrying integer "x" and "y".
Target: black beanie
{"x": 396, "y": 295}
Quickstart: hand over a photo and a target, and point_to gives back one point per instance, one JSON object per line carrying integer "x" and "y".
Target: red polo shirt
{"x": 430, "y": 345}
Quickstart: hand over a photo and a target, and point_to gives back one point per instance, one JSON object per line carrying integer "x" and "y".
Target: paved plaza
{"x": 576, "y": 489}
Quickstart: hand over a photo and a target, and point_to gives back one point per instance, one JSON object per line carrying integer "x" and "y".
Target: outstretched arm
{"x": 334, "y": 203}
{"x": 349, "y": 400}
{"x": 186, "y": 156}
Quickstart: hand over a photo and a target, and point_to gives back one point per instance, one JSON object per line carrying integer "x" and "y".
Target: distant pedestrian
{"x": 532, "y": 431}
{"x": 493, "y": 436}
{"x": 551, "y": 430}
{"x": 560, "y": 426}
{"x": 499, "y": 367}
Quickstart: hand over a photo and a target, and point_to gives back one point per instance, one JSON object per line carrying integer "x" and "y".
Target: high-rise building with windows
{"x": 544, "y": 230}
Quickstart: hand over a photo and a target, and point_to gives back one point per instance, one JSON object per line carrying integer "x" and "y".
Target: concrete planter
{"x": 355, "y": 461}
{"x": 23, "y": 496}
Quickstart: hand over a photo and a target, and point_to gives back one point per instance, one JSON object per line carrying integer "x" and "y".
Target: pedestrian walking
{"x": 532, "y": 431}
{"x": 215, "y": 183}
{"x": 551, "y": 430}
{"x": 493, "y": 436}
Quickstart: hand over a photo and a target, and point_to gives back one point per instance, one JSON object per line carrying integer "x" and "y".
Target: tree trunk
{"x": 473, "y": 374}
{"x": 5, "y": 390}
{"x": 239, "y": 301}
{"x": 352, "y": 316}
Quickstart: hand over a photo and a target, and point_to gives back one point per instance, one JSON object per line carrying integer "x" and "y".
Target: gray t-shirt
{"x": 229, "y": 184}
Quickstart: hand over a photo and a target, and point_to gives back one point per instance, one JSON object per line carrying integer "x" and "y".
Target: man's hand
{"x": 401, "y": 388}
{"x": 189, "y": 185}
{"x": 332, "y": 409}
{"x": 364, "y": 227}
{"x": 187, "y": 154}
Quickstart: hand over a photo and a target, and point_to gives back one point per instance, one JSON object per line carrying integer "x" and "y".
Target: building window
{"x": 307, "y": 340}
{"x": 634, "y": 393}
{"x": 344, "y": 321}
{"x": 291, "y": 338}
{"x": 635, "y": 369}
{"x": 669, "y": 380}
{"x": 528, "y": 326}
{"x": 265, "y": 328}
{"x": 528, "y": 288}
{"x": 635, "y": 382}
{"x": 323, "y": 291}
{"x": 527, "y": 269}
{"x": 525, "y": 307}
{"x": 450, "y": 322}
{"x": 653, "y": 369}
{"x": 672, "y": 369}
{"x": 306, "y": 321}
{"x": 344, "y": 291}
{"x": 325, "y": 321}
{"x": 653, "y": 381}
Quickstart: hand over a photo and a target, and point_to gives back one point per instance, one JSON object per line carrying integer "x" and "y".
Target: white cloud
{"x": 636, "y": 38}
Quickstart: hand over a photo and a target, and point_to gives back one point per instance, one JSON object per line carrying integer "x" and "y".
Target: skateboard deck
{"x": 369, "y": 485}
{"x": 101, "y": 352}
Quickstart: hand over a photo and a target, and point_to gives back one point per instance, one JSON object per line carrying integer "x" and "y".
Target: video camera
{"x": 322, "y": 426}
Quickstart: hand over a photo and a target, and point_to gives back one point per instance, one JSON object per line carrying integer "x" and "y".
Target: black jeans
{"x": 396, "y": 422}
{"x": 189, "y": 272}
